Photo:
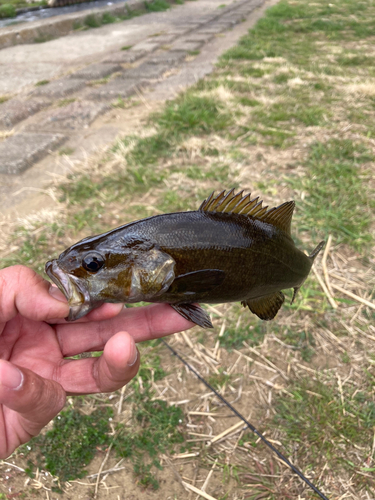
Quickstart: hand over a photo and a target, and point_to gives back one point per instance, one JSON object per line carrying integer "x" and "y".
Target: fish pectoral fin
{"x": 194, "y": 313}
{"x": 266, "y": 307}
{"x": 197, "y": 281}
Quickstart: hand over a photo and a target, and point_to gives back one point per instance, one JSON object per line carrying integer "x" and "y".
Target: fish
{"x": 231, "y": 249}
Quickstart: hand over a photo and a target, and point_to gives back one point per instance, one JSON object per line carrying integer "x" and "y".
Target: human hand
{"x": 35, "y": 339}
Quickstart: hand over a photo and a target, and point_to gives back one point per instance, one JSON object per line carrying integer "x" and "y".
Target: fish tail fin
{"x": 312, "y": 257}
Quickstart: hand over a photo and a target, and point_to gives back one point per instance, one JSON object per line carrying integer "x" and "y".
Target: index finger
{"x": 142, "y": 323}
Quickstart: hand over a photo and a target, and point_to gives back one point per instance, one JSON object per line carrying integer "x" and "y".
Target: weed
{"x": 107, "y": 18}
{"x": 43, "y": 38}
{"x": 333, "y": 186}
{"x": 7, "y": 10}
{"x": 319, "y": 416}
{"x": 246, "y": 101}
{"x": 157, "y": 427}
{"x": 92, "y": 21}
{"x": 65, "y": 102}
{"x": 70, "y": 446}
{"x": 3, "y": 98}
{"x": 192, "y": 114}
{"x": 251, "y": 71}
{"x": 77, "y": 25}
{"x": 126, "y": 47}
{"x": 148, "y": 150}
{"x": 42, "y": 82}
{"x": 220, "y": 379}
{"x": 233, "y": 337}
{"x": 194, "y": 52}
{"x": 66, "y": 151}
{"x": 157, "y": 6}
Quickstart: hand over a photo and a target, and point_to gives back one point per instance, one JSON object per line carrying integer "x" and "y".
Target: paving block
{"x": 179, "y": 30}
{"x": 233, "y": 17}
{"x": 124, "y": 56}
{"x": 97, "y": 71}
{"x": 146, "y": 46}
{"x": 186, "y": 46}
{"x": 168, "y": 57}
{"x": 60, "y": 88}
{"x": 163, "y": 39}
{"x": 21, "y": 151}
{"x": 226, "y": 23}
{"x": 16, "y": 110}
{"x": 211, "y": 29}
{"x": 145, "y": 72}
{"x": 75, "y": 116}
{"x": 198, "y": 37}
{"x": 118, "y": 88}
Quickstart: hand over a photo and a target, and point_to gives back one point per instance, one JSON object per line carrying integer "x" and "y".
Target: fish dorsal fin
{"x": 231, "y": 203}
{"x": 281, "y": 216}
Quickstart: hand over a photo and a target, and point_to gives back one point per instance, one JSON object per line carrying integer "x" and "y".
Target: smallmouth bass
{"x": 231, "y": 249}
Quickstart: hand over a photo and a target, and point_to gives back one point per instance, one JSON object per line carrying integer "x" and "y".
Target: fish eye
{"x": 92, "y": 262}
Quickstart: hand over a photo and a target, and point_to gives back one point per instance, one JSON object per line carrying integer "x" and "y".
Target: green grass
{"x": 95, "y": 20}
{"x": 318, "y": 415}
{"x": 92, "y": 21}
{"x": 66, "y": 151}
{"x": 7, "y": 10}
{"x": 156, "y": 426}
{"x": 337, "y": 199}
{"x": 41, "y": 83}
{"x": 65, "y": 102}
{"x": 3, "y": 98}
{"x": 157, "y": 6}
{"x": 69, "y": 447}
{"x": 43, "y": 38}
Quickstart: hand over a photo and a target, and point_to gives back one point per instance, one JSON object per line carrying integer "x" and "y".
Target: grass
{"x": 68, "y": 448}
{"x": 336, "y": 199}
{"x": 11, "y": 6}
{"x": 345, "y": 417}
{"x": 66, "y": 151}
{"x": 95, "y": 20}
{"x": 41, "y": 83}
{"x": 71, "y": 444}
{"x": 7, "y": 10}
{"x": 288, "y": 113}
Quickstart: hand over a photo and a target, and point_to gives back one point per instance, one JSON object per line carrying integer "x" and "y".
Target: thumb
{"x": 34, "y": 401}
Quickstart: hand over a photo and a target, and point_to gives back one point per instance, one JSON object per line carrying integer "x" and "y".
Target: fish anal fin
{"x": 266, "y": 307}
{"x": 194, "y": 313}
{"x": 242, "y": 204}
{"x": 197, "y": 281}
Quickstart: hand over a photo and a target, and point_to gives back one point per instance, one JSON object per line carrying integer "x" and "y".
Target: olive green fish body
{"x": 256, "y": 258}
{"x": 231, "y": 249}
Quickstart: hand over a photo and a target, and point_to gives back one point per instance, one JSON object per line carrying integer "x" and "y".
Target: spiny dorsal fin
{"x": 280, "y": 217}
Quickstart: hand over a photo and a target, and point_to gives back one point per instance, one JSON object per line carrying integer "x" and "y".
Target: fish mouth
{"x": 77, "y": 295}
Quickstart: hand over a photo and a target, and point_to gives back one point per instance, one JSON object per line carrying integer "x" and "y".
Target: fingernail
{"x": 10, "y": 376}
{"x": 134, "y": 354}
{"x": 56, "y": 294}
